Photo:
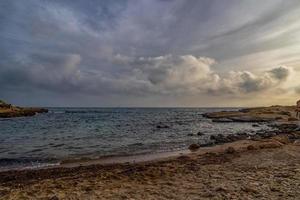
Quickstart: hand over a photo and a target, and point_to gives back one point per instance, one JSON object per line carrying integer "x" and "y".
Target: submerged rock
{"x": 162, "y": 126}
{"x": 200, "y": 133}
{"x": 219, "y": 138}
{"x": 222, "y": 120}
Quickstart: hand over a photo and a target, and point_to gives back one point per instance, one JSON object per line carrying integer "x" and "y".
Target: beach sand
{"x": 264, "y": 169}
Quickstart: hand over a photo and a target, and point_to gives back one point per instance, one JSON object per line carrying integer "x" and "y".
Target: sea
{"x": 70, "y": 133}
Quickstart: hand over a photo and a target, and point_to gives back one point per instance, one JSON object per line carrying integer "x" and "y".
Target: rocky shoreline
{"x": 279, "y": 118}
{"x": 262, "y": 165}
{"x": 9, "y": 111}
{"x": 256, "y": 115}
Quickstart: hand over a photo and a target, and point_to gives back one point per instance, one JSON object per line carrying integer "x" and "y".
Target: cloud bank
{"x": 162, "y": 75}
{"x": 147, "y": 51}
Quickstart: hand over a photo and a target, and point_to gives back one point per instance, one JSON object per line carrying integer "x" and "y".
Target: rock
{"x": 54, "y": 198}
{"x": 265, "y": 133}
{"x": 184, "y": 157}
{"x": 222, "y": 120}
{"x": 219, "y": 138}
{"x": 221, "y": 189}
{"x": 190, "y": 134}
{"x": 222, "y": 114}
{"x": 285, "y": 127}
{"x": 230, "y": 150}
{"x": 255, "y": 125}
{"x": 292, "y": 119}
{"x": 293, "y": 136}
{"x": 251, "y": 148}
{"x": 162, "y": 126}
{"x": 207, "y": 144}
{"x": 284, "y": 113}
{"x": 232, "y": 137}
{"x": 194, "y": 147}
{"x": 200, "y": 133}
{"x": 251, "y": 119}
{"x": 8, "y": 111}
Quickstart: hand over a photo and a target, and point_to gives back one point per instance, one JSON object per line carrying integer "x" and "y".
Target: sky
{"x": 150, "y": 53}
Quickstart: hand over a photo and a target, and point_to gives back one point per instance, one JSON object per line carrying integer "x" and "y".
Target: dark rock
{"x": 200, "y": 133}
{"x": 162, "y": 126}
{"x": 250, "y": 119}
{"x": 285, "y": 127}
{"x": 194, "y": 147}
{"x": 207, "y": 144}
{"x": 266, "y": 134}
{"x": 54, "y": 198}
{"x": 255, "y": 125}
{"x": 251, "y": 148}
{"x": 219, "y": 139}
{"x": 292, "y": 119}
{"x": 221, "y": 189}
{"x": 284, "y": 113}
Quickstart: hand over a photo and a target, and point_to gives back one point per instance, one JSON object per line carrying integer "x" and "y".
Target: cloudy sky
{"x": 149, "y": 52}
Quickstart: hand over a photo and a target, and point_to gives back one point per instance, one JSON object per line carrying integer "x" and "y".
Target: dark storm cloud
{"x": 139, "y": 47}
{"x": 280, "y": 73}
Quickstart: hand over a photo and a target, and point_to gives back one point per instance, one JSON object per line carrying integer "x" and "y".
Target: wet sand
{"x": 264, "y": 169}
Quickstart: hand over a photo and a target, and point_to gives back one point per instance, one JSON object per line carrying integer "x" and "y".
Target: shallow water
{"x": 68, "y": 133}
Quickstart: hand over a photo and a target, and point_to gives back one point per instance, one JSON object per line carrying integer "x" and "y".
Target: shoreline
{"x": 105, "y": 160}
{"x": 265, "y": 166}
{"x": 152, "y": 158}
{"x": 275, "y": 156}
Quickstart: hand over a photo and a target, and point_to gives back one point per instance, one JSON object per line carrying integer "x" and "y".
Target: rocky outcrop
{"x": 8, "y": 111}
{"x": 260, "y": 114}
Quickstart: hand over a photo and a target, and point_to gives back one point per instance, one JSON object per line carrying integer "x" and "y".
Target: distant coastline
{"x": 8, "y": 110}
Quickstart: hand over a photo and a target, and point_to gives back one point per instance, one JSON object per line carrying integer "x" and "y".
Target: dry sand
{"x": 265, "y": 169}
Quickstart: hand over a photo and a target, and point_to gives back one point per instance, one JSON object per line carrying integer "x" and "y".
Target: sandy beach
{"x": 267, "y": 169}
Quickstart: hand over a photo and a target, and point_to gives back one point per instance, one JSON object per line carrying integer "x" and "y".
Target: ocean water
{"x": 71, "y": 133}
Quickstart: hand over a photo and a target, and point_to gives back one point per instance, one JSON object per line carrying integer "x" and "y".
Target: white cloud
{"x": 193, "y": 75}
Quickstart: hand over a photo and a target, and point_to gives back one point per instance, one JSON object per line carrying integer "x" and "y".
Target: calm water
{"x": 67, "y": 133}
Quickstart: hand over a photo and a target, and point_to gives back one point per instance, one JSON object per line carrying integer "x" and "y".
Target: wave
{"x": 16, "y": 163}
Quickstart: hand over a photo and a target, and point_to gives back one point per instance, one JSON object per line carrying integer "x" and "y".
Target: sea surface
{"x": 72, "y": 133}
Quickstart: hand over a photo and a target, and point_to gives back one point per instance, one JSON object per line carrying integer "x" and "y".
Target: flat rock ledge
{"x": 256, "y": 115}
